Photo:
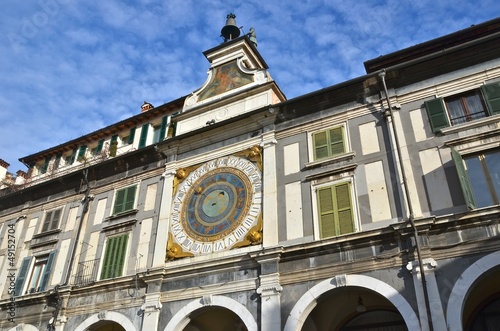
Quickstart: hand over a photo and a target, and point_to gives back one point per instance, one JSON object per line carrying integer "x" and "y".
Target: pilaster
{"x": 436, "y": 308}
{"x": 151, "y": 311}
{"x": 160, "y": 247}
{"x": 270, "y": 205}
{"x": 270, "y": 290}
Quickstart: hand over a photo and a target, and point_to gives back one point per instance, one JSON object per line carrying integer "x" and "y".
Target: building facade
{"x": 372, "y": 204}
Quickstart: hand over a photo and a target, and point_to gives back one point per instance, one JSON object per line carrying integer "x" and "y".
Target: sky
{"x": 70, "y": 67}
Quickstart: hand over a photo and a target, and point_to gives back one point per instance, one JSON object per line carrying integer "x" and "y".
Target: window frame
{"x": 125, "y": 199}
{"x": 438, "y": 112}
{"x": 26, "y": 272}
{"x": 466, "y": 182}
{"x": 315, "y": 189}
{"x": 312, "y": 143}
{"x": 51, "y": 225}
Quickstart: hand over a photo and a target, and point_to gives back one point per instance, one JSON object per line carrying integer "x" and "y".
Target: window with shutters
{"x": 51, "y": 220}
{"x": 479, "y": 176}
{"x": 464, "y": 107}
{"x": 328, "y": 143}
{"x": 34, "y": 274}
{"x": 124, "y": 200}
{"x": 114, "y": 258}
{"x": 335, "y": 209}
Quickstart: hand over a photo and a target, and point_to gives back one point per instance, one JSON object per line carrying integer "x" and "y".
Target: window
{"x": 70, "y": 159}
{"x": 328, "y": 143}
{"x": 114, "y": 257}
{"x": 51, "y": 220}
{"x": 156, "y": 133}
{"x": 124, "y": 200}
{"x": 98, "y": 149}
{"x": 34, "y": 274}
{"x": 464, "y": 107}
{"x": 335, "y": 210}
{"x": 479, "y": 176}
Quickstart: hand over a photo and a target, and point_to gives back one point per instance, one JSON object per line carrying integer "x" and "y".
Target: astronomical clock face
{"x": 216, "y": 205}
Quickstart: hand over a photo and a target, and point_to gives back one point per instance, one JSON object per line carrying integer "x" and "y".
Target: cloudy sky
{"x": 70, "y": 67}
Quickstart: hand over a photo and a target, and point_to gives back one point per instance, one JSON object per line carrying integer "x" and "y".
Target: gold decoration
{"x": 253, "y": 154}
{"x": 181, "y": 173}
{"x": 174, "y": 250}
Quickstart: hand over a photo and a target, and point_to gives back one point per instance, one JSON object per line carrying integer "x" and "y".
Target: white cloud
{"x": 72, "y": 67}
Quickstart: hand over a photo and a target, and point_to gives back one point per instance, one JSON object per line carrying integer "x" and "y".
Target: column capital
{"x": 428, "y": 264}
{"x": 151, "y": 302}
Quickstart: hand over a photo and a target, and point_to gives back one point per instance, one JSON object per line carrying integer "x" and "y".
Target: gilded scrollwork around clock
{"x": 217, "y": 205}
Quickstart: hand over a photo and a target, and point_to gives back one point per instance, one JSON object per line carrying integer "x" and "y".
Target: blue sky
{"x": 70, "y": 67}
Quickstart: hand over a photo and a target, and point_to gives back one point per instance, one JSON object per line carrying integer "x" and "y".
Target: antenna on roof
{"x": 230, "y": 30}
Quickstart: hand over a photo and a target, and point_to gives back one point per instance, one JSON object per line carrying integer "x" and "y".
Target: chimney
{"x": 146, "y": 106}
{"x": 21, "y": 177}
{"x": 3, "y": 169}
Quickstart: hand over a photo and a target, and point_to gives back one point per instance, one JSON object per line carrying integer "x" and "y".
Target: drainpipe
{"x": 57, "y": 296}
{"x": 408, "y": 199}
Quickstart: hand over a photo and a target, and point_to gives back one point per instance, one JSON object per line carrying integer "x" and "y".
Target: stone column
{"x": 270, "y": 290}
{"x": 436, "y": 308}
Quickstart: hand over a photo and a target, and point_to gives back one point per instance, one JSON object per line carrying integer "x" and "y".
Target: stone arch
{"x": 458, "y": 294}
{"x": 24, "y": 327}
{"x": 308, "y": 301}
{"x": 107, "y": 316}
{"x": 181, "y": 319}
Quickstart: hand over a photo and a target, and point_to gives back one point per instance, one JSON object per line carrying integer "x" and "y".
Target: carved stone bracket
{"x": 341, "y": 280}
{"x": 102, "y": 315}
{"x": 206, "y": 300}
{"x": 151, "y": 303}
{"x": 428, "y": 264}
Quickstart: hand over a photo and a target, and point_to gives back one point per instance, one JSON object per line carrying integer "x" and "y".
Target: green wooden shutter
{"x": 57, "y": 162}
{"x": 44, "y": 281}
{"x": 131, "y": 136}
{"x": 164, "y": 125}
{"x": 335, "y": 210}
{"x": 344, "y": 213}
{"x": 320, "y": 140}
{"x": 56, "y": 215}
{"x": 326, "y": 212}
{"x": 464, "y": 179}
{"x": 129, "y": 198}
{"x": 45, "y": 165}
{"x": 119, "y": 201}
{"x": 491, "y": 94}
{"x": 73, "y": 156}
{"x": 114, "y": 257}
{"x": 336, "y": 136}
{"x": 144, "y": 135}
{"x": 437, "y": 114}
{"x": 22, "y": 275}
{"x": 99, "y": 146}
{"x": 81, "y": 153}
{"x": 125, "y": 199}
{"x": 47, "y": 221}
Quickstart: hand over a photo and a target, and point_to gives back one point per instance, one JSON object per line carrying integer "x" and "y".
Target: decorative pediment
{"x": 236, "y": 66}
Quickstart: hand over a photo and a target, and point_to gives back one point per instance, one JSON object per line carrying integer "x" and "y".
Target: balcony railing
{"x": 86, "y": 272}
{"x": 78, "y": 165}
